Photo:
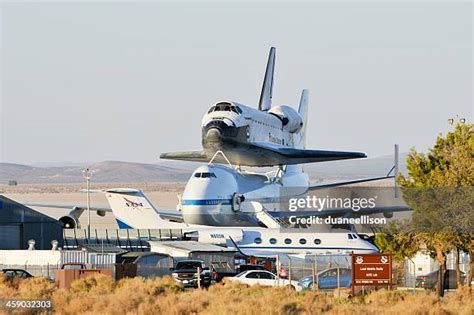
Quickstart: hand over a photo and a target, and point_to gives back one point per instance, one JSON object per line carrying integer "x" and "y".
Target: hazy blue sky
{"x": 95, "y": 81}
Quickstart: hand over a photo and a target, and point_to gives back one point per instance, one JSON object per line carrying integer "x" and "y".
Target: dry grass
{"x": 101, "y": 295}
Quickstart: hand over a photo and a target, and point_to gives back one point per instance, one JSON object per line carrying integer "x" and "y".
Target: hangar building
{"x": 19, "y": 223}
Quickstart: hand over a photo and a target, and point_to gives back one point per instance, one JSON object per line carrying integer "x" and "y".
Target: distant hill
{"x": 176, "y": 171}
{"x": 104, "y": 172}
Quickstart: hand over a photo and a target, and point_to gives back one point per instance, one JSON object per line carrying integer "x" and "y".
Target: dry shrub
{"x": 31, "y": 288}
{"x": 96, "y": 284}
{"x": 100, "y": 295}
{"x": 7, "y": 288}
{"x": 35, "y": 288}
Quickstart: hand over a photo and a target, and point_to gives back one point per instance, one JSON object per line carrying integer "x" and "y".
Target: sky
{"x": 93, "y": 81}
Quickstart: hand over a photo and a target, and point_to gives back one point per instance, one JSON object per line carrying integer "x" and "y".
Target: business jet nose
{"x": 372, "y": 247}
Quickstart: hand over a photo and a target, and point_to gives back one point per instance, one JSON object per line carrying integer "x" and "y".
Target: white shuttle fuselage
{"x": 235, "y": 124}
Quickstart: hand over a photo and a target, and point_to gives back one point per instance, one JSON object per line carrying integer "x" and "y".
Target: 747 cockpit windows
{"x": 225, "y": 107}
{"x": 205, "y": 175}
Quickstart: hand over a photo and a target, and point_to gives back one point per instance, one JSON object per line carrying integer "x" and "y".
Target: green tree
{"x": 398, "y": 239}
{"x": 439, "y": 189}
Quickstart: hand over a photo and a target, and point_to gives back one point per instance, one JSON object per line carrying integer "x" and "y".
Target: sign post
{"x": 371, "y": 270}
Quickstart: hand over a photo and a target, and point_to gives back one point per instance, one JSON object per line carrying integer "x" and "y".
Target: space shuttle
{"x": 264, "y": 136}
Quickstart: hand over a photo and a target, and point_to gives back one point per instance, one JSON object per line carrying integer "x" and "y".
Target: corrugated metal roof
{"x": 103, "y": 248}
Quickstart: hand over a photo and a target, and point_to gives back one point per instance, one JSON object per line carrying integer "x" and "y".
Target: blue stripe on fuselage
{"x": 205, "y": 202}
{"x": 211, "y": 202}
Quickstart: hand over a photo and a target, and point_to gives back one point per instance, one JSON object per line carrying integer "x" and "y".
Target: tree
{"x": 398, "y": 239}
{"x": 439, "y": 189}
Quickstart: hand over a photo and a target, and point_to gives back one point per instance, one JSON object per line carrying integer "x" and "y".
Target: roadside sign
{"x": 371, "y": 269}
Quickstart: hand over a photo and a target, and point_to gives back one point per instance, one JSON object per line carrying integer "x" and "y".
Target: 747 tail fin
{"x": 133, "y": 210}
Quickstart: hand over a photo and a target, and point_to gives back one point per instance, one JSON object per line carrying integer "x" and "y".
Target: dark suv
{"x": 186, "y": 272}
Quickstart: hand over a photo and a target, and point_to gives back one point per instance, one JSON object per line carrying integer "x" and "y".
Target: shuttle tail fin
{"x": 132, "y": 209}
{"x": 265, "y": 102}
{"x": 303, "y": 111}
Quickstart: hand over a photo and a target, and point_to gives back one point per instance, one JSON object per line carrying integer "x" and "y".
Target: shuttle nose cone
{"x": 213, "y": 135}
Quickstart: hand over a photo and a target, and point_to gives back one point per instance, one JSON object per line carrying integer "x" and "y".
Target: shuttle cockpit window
{"x": 225, "y": 107}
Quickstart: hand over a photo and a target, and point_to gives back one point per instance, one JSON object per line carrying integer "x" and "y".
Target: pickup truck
{"x": 185, "y": 272}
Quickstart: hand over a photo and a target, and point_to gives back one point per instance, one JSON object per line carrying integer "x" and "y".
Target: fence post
{"x": 289, "y": 270}
{"x": 317, "y": 275}
{"x": 278, "y": 269}
{"x": 199, "y": 277}
{"x": 313, "y": 272}
{"x": 338, "y": 283}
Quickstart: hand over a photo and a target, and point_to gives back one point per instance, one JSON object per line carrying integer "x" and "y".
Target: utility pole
{"x": 87, "y": 173}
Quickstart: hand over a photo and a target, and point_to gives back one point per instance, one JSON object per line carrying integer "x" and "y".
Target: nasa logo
{"x": 214, "y": 235}
{"x": 133, "y": 204}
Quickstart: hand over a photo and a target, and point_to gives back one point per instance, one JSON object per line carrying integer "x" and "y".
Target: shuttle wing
{"x": 264, "y": 154}
{"x": 281, "y": 155}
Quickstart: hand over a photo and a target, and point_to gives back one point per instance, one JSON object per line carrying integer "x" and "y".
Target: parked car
{"x": 186, "y": 273}
{"x": 16, "y": 273}
{"x": 266, "y": 278}
{"x": 327, "y": 279}
{"x": 219, "y": 274}
{"x": 242, "y": 268}
{"x": 430, "y": 280}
